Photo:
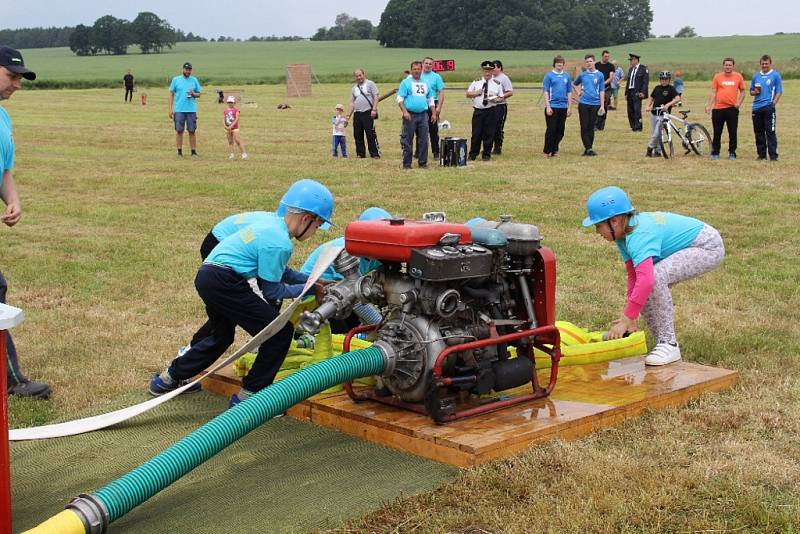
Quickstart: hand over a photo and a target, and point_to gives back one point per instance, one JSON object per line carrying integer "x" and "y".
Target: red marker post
{"x": 9, "y": 318}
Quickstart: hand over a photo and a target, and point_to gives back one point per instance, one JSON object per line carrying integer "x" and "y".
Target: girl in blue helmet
{"x": 258, "y": 251}
{"x": 659, "y": 249}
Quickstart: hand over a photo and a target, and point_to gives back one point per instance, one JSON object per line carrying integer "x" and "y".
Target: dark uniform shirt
{"x": 661, "y": 95}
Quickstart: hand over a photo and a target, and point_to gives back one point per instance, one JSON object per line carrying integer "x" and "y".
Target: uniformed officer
{"x": 636, "y": 91}
{"x": 261, "y": 251}
{"x": 484, "y": 93}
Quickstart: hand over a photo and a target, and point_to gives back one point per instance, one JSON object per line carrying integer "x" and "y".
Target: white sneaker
{"x": 244, "y": 155}
{"x": 662, "y": 354}
{"x": 232, "y": 156}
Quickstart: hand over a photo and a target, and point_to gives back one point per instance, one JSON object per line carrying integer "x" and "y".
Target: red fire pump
{"x": 452, "y": 300}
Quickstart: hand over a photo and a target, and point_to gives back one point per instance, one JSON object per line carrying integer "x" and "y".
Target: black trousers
{"x": 484, "y": 124}
{"x": 601, "y": 119}
{"x": 433, "y": 132}
{"x": 719, "y": 118}
{"x": 206, "y": 247}
{"x": 764, "y": 122}
{"x": 554, "y": 133}
{"x": 13, "y": 372}
{"x": 588, "y": 118}
{"x": 129, "y": 94}
{"x": 364, "y": 124}
{"x": 230, "y": 302}
{"x": 634, "y": 112}
{"x": 499, "y": 131}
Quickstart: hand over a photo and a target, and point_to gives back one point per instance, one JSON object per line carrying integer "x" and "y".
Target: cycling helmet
{"x": 374, "y": 214}
{"x": 311, "y": 196}
{"x": 665, "y": 75}
{"x": 606, "y": 203}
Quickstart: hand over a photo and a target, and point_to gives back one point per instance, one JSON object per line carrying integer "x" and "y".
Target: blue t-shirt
{"x": 558, "y": 86}
{"x": 415, "y": 94}
{"x": 770, "y": 85}
{"x": 658, "y": 234}
{"x": 434, "y": 81}
{"x": 678, "y": 85}
{"x": 234, "y": 223}
{"x": 365, "y": 266}
{"x": 6, "y": 144}
{"x": 260, "y": 250}
{"x": 593, "y": 83}
{"x": 180, "y": 87}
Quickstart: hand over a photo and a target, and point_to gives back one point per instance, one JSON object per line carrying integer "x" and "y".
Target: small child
{"x": 663, "y": 97}
{"x": 659, "y": 249}
{"x": 339, "y": 122}
{"x": 678, "y": 81}
{"x": 230, "y": 121}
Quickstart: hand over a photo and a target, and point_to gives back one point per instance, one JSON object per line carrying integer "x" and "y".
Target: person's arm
{"x": 10, "y": 196}
{"x": 441, "y": 101}
{"x": 546, "y": 95}
{"x": 171, "y": 104}
{"x": 778, "y": 93}
{"x": 712, "y": 99}
{"x": 602, "y": 101}
{"x": 741, "y": 94}
{"x": 280, "y": 291}
{"x": 290, "y": 276}
{"x": 472, "y": 93}
{"x": 195, "y": 92}
{"x": 509, "y": 93}
{"x": 640, "y": 284}
{"x": 402, "y": 92}
{"x": 645, "y": 83}
{"x": 650, "y": 104}
{"x": 374, "y": 111}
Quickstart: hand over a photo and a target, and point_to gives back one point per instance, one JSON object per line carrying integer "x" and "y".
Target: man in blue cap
{"x": 261, "y": 250}
{"x": 12, "y": 71}
{"x": 184, "y": 91}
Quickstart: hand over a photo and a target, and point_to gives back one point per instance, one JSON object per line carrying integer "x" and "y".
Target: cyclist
{"x": 663, "y": 97}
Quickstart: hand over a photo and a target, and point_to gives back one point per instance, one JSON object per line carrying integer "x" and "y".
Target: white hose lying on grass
{"x": 90, "y": 424}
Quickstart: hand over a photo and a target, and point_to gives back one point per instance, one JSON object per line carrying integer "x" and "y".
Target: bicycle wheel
{"x": 699, "y": 140}
{"x": 665, "y": 142}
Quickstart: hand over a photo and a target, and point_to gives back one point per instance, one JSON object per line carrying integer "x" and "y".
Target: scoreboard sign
{"x": 440, "y": 65}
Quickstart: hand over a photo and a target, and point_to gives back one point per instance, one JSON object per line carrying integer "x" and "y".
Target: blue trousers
{"x": 231, "y": 302}
{"x": 339, "y": 141}
{"x": 417, "y": 126}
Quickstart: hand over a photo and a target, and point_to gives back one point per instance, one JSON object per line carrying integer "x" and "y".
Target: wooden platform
{"x": 586, "y": 398}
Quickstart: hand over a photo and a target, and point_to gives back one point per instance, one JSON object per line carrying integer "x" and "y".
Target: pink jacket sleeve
{"x": 640, "y": 283}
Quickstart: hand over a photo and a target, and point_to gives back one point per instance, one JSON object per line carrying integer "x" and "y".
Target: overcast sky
{"x": 243, "y": 18}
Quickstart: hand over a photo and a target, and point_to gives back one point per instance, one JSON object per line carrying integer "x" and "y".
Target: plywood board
{"x": 586, "y": 398}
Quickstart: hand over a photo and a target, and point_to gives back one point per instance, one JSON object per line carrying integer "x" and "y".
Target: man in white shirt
{"x": 484, "y": 93}
{"x": 364, "y": 105}
{"x": 501, "y": 108}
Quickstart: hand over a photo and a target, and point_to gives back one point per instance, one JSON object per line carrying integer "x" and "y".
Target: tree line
{"x": 346, "y": 27}
{"x": 514, "y": 24}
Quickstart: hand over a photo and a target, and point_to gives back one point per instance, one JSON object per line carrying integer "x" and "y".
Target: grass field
{"x": 104, "y": 259}
{"x": 334, "y": 61}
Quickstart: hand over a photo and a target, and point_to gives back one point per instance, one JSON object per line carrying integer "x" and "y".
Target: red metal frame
{"x": 5, "y": 462}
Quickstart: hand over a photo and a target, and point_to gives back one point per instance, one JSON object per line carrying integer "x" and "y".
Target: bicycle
{"x": 694, "y": 136}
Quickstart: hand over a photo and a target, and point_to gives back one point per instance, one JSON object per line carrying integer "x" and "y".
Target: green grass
{"x": 334, "y": 60}
{"x": 104, "y": 258}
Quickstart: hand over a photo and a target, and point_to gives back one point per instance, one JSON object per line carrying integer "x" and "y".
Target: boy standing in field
{"x": 230, "y": 121}
{"x": 727, "y": 95}
{"x": 339, "y": 139}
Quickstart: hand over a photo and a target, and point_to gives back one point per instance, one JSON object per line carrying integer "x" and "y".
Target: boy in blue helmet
{"x": 659, "y": 249}
{"x": 261, "y": 250}
{"x": 366, "y": 265}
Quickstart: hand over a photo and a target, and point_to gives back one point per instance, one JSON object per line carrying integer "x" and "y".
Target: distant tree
{"x": 151, "y": 33}
{"x": 36, "y": 37}
{"x": 665, "y": 36}
{"x": 345, "y": 27}
{"x": 81, "y": 42}
{"x": 112, "y": 35}
{"x": 686, "y": 31}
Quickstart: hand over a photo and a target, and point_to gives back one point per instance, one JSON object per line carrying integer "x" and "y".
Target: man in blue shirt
{"x": 416, "y": 104}
{"x": 557, "y": 87}
{"x": 260, "y": 251}
{"x": 12, "y": 70}
{"x": 592, "y": 92}
{"x": 436, "y": 87}
{"x": 767, "y": 89}
{"x": 184, "y": 91}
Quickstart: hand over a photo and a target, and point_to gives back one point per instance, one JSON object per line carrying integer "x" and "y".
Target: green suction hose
{"x": 119, "y": 497}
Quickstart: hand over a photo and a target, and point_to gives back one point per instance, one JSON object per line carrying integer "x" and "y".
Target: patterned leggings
{"x": 704, "y": 254}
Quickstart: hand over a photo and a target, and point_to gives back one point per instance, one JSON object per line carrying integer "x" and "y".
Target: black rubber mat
{"x": 286, "y": 476}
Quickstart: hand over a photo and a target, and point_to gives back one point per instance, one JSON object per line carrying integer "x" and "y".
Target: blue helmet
{"x": 311, "y": 196}
{"x": 606, "y": 203}
{"x": 374, "y": 214}
{"x": 475, "y": 220}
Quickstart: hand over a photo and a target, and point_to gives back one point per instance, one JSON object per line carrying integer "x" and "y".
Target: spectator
{"x": 483, "y": 93}
{"x": 501, "y": 108}
{"x": 183, "y": 93}
{"x": 663, "y": 96}
{"x": 416, "y": 104}
{"x": 557, "y": 87}
{"x": 607, "y": 69}
{"x": 636, "y": 91}
{"x": 767, "y": 89}
{"x": 436, "y": 87}
{"x": 364, "y": 111}
{"x": 727, "y": 95}
{"x": 12, "y": 70}
{"x": 591, "y": 90}
{"x": 127, "y": 81}
{"x": 677, "y": 81}
{"x": 339, "y": 138}
{"x": 616, "y": 78}
{"x": 230, "y": 122}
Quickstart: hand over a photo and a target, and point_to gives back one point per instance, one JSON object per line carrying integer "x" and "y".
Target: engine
{"x": 453, "y": 300}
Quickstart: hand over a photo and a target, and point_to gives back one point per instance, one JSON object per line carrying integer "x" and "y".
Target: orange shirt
{"x": 726, "y": 86}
